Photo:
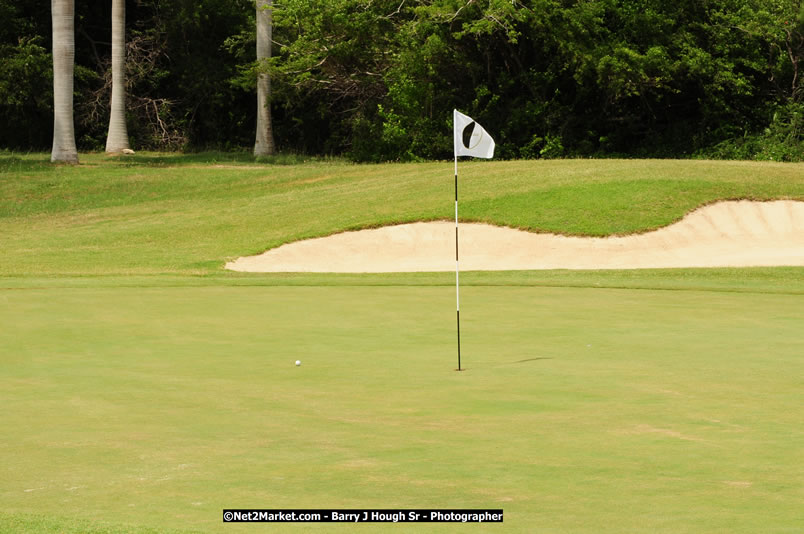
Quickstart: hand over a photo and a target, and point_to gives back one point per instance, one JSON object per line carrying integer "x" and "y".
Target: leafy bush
{"x": 782, "y": 140}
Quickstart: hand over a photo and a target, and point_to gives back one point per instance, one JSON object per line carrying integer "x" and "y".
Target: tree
{"x": 63, "y": 16}
{"x": 264, "y": 144}
{"x": 117, "y": 138}
{"x": 376, "y": 80}
{"x": 26, "y": 78}
{"x": 329, "y": 77}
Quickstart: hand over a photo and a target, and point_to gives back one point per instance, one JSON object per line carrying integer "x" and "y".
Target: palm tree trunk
{"x": 63, "y": 15}
{"x": 117, "y": 138}
{"x": 264, "y": 144}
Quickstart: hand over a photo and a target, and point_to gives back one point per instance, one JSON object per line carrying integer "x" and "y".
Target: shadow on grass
{"x": 40, "y": 161}
{"x": 178, "y": 159}
{"x": 34, "y": 163}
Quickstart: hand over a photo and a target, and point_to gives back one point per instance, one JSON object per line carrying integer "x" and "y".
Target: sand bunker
{"x": 726, "y": 234}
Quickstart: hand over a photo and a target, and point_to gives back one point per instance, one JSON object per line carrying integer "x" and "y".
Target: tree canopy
{"x": 377, "y": 80}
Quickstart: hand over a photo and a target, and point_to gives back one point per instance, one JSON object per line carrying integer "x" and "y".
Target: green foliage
{"x": 377, "y": 80}
{"x": 196, "y": 93}
{"x": 26, "y": 93}
{"x": 26, "y": 86}
{"x": 782, "y": 140}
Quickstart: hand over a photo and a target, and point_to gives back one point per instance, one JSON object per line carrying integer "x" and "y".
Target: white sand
{"x": 726, "y": 234}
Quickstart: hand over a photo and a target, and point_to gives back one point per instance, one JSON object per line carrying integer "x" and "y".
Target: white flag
{"x": 479, "y": 144}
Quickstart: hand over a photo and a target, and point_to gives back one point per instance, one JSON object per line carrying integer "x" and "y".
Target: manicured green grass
{"x": 784, "y": 280}
{"x": 159, "y": 214}
{"x": 145, "y": 389}
{"x": 580, "y": 411}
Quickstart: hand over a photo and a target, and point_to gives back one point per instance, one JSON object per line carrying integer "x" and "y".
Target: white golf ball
{"x": 298, "y": 363}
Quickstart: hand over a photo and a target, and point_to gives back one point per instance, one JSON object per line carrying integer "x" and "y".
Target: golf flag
{"x": 470, "y": 138}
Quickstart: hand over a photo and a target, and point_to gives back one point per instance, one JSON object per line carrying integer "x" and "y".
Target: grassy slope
{"x": 173, "y": 215}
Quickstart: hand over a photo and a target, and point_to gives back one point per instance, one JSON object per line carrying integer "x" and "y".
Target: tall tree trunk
{"x": 264, "y": 144}
{"x": 117, "y": 138}
{"x": 62, "y": 13}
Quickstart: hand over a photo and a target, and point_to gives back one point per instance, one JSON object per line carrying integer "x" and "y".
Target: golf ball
{"x": 298, "y": 363}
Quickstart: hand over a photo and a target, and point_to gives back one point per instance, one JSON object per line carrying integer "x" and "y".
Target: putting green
{"x": 582, "y": 410}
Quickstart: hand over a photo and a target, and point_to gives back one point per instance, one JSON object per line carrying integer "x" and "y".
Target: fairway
{"x": 146, "y": 388}
{"x": 582, "y": 410}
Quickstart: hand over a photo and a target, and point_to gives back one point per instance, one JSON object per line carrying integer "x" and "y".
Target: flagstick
{"x": 479, "y": 145}
{"x": 457, "y": 286}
